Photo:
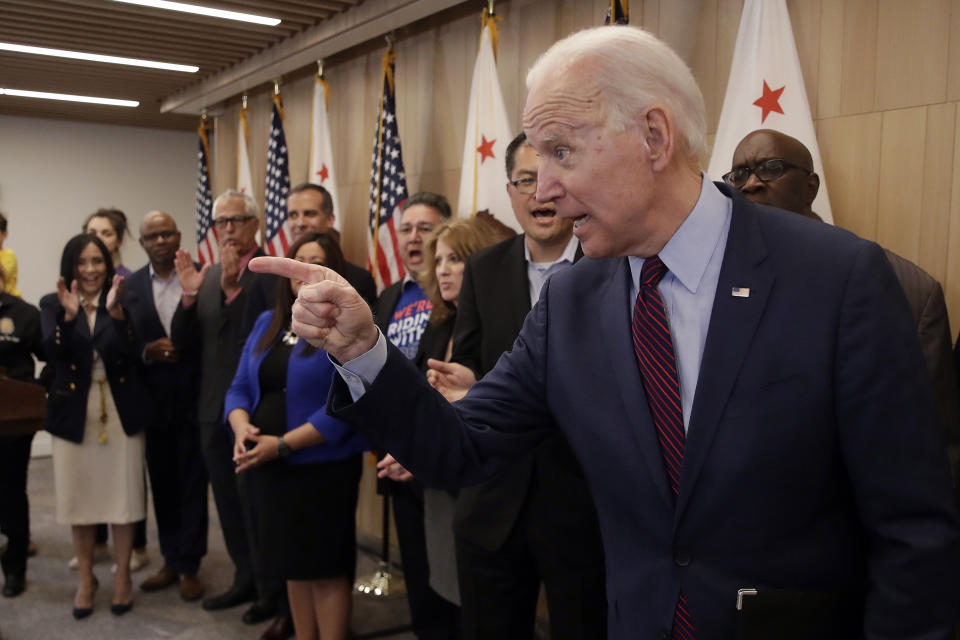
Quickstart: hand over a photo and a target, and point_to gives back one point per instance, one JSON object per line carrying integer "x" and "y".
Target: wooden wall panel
{"x": 901, "y": 180}
{"x": 830, "y": 72}
{"x": 934, "y": 219}
{"x": 953, "y": 62}
{"x": 858, "y": 56}
{"x": 805, "y": 18}
{"x": 907, "y": 74}
{"x": 850, "y": 149}
{"x": 951, "y": 281}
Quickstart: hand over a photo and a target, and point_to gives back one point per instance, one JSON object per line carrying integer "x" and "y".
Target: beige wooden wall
{"x": 882, "y": 76}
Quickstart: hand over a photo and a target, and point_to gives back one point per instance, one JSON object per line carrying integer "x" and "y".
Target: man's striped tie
{"x": 658, "y": 367}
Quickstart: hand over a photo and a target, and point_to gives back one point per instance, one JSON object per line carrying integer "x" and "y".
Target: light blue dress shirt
{"x": 693, "y": 256}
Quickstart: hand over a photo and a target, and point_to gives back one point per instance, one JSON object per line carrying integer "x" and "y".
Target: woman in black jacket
{"x": 97, "y": 409}
{"x": 19, "y": 342}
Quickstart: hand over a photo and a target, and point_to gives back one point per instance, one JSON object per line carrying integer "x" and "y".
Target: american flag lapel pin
{"x": 740, "y": 292}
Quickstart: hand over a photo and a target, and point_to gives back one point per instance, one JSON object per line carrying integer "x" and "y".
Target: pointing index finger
{"x": 293, "y": 269}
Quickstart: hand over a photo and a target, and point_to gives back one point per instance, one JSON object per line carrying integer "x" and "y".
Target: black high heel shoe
{"x": 120, "y": 609}
{"x": 79, "y": 613}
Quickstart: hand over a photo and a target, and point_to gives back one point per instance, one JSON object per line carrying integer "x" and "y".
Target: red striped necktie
{"x": 658, "y": 367}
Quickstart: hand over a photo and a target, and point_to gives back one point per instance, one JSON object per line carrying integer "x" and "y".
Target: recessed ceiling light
{"x": 69, "y": 97}
{"x": 96, "y": 57}
{"x": 205, "y": 11}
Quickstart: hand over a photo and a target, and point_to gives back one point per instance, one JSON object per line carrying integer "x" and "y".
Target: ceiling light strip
{"x": 69, "y": 97}
{"x": 205, "y": 11}
{"x": 96, "y": 57}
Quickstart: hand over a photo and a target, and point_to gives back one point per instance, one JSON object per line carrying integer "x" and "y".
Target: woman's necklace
{"x": 289, "y": 338}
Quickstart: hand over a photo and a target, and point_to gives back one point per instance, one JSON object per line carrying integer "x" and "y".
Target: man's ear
{"x": 657, "y": 129}
{"x": 813, "y": 187}
{"x": 331, "y": 218}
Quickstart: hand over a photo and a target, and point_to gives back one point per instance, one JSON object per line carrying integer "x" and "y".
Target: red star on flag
{"x": 323, "y": 173}
{"x": 769, "y": 101}
{"x": 486, "y": 148}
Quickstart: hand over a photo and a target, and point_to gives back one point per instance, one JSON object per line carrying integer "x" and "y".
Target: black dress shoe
{"x": 15, "y": 584}
{"x": 280, "y": 629}
{"x": 120, "y": 609}
{"x": 232, "y": 597}
{"x": 259, "y": 612}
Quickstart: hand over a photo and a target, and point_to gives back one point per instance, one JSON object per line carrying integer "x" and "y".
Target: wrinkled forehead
{"x": 561, "y": 101}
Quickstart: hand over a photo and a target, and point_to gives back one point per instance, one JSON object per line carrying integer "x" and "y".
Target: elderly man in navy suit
{"x": 756, "y": 426}
{"x": 178, "y": 477}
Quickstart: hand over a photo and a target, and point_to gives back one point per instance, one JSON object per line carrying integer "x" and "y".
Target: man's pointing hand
{"x": 328, "y": 312}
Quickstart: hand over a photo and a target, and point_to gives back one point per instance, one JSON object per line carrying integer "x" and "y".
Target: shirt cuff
{"x": 360, "y": 372}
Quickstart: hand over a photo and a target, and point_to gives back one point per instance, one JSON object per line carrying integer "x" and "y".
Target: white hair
{"x": 250, "y": 206}
{"x": 633, "y": 71}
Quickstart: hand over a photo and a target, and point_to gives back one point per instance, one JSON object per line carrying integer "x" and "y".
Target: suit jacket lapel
{"x": 616, "y": 335}
{"x": 733, "y": 322}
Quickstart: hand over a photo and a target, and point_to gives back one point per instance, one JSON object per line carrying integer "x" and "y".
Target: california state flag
{"x": 766, "y": 91}
{"x": 321, "y": 151}
{"x": 483, "y": 178}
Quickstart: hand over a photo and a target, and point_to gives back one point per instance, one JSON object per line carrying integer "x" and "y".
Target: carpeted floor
{"x": 44, "y": 610}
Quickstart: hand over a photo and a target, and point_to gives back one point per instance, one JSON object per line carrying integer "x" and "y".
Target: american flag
{"x": 278, "y": 185}
{"x": 620, "y": 10}
{"x": 207, "y": 246}
{"x": 388, "y": 186}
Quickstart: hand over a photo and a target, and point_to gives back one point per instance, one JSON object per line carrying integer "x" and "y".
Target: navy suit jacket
{"x": 173, "y": 386}
{"x": 69, "y": 347}
{"x": 815, "y": 460}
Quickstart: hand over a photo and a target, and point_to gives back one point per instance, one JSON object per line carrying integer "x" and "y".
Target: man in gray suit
{"x": 217, "y": 309}
{"x": 772, "y": 168}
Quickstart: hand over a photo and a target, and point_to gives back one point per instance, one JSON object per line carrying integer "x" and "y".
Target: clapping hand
{"x": 113, "y": 297}
{"x": 190, "y": 279}
{"x": 328, "y": 312}
{"x": 69, "y": 299}
{"x": 452, "y": 380}
{"x": 264, "y": 447}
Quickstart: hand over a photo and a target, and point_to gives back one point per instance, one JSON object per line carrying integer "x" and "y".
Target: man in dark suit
{"x": 772, "y": 168}
{"x": 401, "y": 313}
{"x": 534, "y": 522}
{"x": 218, "y": 307}
{"x": 310, "y": 208}
{"x": 178, "y": 478}
{"x": 756, "y": 427}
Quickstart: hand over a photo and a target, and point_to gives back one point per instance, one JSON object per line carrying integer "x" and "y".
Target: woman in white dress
{"x": 97, "y": 409}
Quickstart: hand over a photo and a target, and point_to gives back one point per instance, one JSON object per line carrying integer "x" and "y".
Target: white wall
{"x": 54, "y": 173}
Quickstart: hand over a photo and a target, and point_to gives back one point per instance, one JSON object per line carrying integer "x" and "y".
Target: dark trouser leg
{"x": 498, "y": 589}
{"x": 566, "y": 547}
{"x": 432, "y": 616}
{"x": 217, "y": 448}
{"x": 14, "y": 506}
{"x": 179, "y": 485}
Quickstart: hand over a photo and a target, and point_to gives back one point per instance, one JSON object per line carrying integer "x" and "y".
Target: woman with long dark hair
{"x": 97, "y": 409}
{"x": 303, "y": 466}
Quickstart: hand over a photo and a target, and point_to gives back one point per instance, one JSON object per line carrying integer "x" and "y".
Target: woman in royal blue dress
{"x": 303, "y": 466}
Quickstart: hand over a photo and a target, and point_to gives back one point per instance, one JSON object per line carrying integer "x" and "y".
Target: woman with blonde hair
{"x": 447, "y": 251}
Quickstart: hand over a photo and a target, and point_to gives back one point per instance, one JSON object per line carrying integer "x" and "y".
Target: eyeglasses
{"x": 221, "y": 223}
{"x": 526, "y": 186}
{"x": 766, "y": 171}
{"x": 165, "y": 235}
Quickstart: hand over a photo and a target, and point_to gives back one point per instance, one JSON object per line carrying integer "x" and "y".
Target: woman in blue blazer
{"x": 302, "y": 466}
{"x": 97, "y": 409}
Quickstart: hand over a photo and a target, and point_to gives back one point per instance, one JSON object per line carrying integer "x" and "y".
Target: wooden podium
{"x": 23, "y": 406}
